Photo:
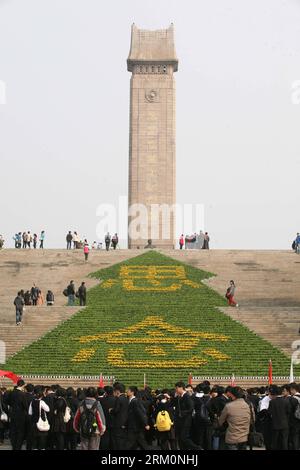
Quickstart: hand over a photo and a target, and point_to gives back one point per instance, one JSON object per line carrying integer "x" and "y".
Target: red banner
{"x": 9, "y": 375}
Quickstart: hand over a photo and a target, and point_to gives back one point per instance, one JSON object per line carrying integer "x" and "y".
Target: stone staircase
{"x": 48, "y": 269}
{"x": 267, "y": 290}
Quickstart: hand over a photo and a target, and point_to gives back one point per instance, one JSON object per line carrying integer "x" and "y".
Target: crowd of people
{"x": 27, "y": 240}
{"x": 72, "y": 293}
{"x": 33, "y": 297}
{"x": 119, "y": 418}
{"x": 202, "y": 240}
{"x": 75, "y": 242}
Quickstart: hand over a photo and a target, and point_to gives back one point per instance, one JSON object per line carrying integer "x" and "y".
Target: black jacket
{"x": 137, "y": 416}
{"x": 19, "y": 302}
{"x": 119, "y": 413}
{"x": 71, "y": 289}
{"x": 17, "y": 401}
{"x": 82, "y": 292}
{"x": 216, "y": 405}
{"x": 184, "y": 406}
{"x": 279, "y": 411}
{"x": 107, "y": 404}
{"x": 50, "y": 401}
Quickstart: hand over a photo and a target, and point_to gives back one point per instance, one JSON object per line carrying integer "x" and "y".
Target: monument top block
{"x": 152, "y": 46}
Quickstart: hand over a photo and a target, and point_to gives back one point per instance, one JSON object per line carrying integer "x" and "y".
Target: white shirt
{"x": 43, "y": 406}
{"x": 264, "y": 403}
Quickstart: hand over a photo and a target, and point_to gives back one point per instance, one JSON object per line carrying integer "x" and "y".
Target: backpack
{"x": 297, "y": 410}
{"x": 163, "y": 421}
{"x": 294, "y": 245}
{"x": 227, "y": 293}
{"x": 203, "y": 414}
{"x": 65, "y": 292}
{"x": 88, "y": 423}
{"x": 50, "y": 296}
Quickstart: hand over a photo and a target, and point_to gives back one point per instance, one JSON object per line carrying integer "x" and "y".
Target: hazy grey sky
{"x": 64, "y": 128}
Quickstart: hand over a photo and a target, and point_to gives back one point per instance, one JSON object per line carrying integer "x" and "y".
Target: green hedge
{"x": 115, "y": 308}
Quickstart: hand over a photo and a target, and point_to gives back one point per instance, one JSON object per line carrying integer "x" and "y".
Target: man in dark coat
{"x": 279, "y": 411}
{"x": 82, "y": 294}
{"x": 137, "y": 422}
{"x": 294, "y": 421}
{"x": 19, "y": 304}
{"x": 50, "y": 400}
{"x": 107, "y": 401}
{"x": 17, "y": 402}
{"x": 71, "y": 293}
{"x": 119, "y": 414}
{"x": 184, "y": 408}
{"x": 29, "y": 389}
{"x": 34, "y": 294}
{"x": 203, "y": 420}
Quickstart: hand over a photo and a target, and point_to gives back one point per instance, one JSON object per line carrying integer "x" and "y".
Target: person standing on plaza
{"x": 230, "y": 294}
{"x": 181, "y": 241}
{"x": 206, "y": 241}
{"x": 16, "y": 400}
{"x": 34, "y": 294}
{"x": 24, "y": 240}
{"x": 29, "y": 239}
{"x": 38, "y": 409}
{"x": 82, "y": 294}
{"x": 35, "y": 237}
{"x": 115, "y": 241}
{"x": 107, "y": 241}
{"x": 71, "y": 293}
{"x": 50, "y": 298}
{"x": 88, "y": 421}
{"x": 76, "y": 241}
{"x": 279, "y": 412}
{"x": 184, "y": 408}
{"x": 42, "y": 239}
{"x": 19, "y": 304}
{"x": 40, "y": 299}
{"x": 237, "y": 414}
{"x": 69, "y": 239}
{"x": 119, "y": 414}
{"x": 137, "y": 422}
{"x": 86, "y": 250}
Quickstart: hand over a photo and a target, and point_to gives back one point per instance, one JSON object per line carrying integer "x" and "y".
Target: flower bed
{"x": 150, "y": 315}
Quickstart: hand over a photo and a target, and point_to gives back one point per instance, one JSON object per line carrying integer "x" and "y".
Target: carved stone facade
{"x": 152, "y": 61}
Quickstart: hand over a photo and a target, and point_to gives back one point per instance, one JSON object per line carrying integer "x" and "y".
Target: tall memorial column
{"x": 152, "y": 193}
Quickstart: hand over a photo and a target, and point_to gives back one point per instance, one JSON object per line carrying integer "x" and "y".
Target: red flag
{"x": 232, "y": 382}
{"x": 190, "y": 378}
{"x": 101, "y": 381}
{"x": 270, "y": 372}
{"x": 9, "y": 375}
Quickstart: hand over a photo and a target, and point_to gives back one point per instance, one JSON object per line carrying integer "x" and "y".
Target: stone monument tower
{"x": 152, "y": 61}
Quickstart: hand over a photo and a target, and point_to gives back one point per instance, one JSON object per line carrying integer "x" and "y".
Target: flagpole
{"x": 144, "y": 381}
{"x": 270, "y": 372}
{"x": 292, "y": 371}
